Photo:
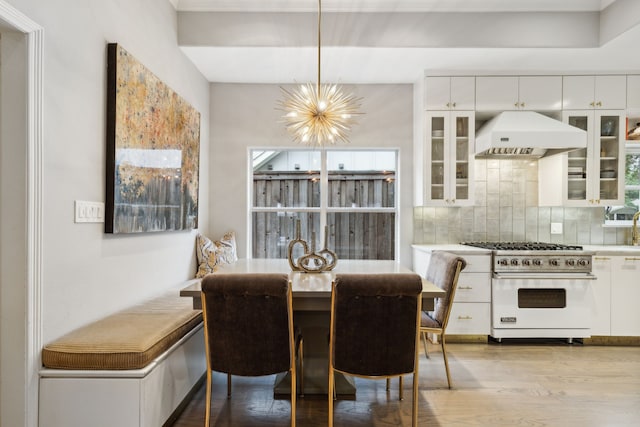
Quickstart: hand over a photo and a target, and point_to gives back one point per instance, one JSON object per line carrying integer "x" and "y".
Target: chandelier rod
{"x": 319, "y": 42}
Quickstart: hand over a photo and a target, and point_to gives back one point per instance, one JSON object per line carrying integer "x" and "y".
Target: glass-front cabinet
{"x": 595, "y": 175}
{"x": 448, "y": 171}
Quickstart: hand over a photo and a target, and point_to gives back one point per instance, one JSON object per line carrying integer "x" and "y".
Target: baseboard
{"x": 608, "y": 340}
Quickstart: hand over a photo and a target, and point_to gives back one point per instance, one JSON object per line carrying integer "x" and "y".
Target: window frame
{"x": 324, "y": 209}
{"x": 631, "y": 148}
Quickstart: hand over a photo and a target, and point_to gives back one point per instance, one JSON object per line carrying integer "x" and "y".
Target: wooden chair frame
{"x": 292, "y": 356}
{"x": 332, "y": 369}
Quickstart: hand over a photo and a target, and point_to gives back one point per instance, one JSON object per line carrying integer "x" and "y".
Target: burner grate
{"x": 523, "y": 246}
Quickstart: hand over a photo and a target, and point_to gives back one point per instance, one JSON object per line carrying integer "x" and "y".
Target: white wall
{"x": 244, "y": 116}
{"x": 87, "y": 274}
{"x": 13, "y": 226}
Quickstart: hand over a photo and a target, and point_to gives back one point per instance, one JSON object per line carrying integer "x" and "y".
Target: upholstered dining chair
{"x": 374, "y": 332}
{"x": 248, "y": 328}
{"x": 443, "y": 271}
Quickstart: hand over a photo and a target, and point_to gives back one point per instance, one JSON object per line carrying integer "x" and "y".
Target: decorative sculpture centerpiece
{"x": 311, "y": 261}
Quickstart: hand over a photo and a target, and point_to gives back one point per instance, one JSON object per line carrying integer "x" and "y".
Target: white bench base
{"x": 131, "y": 398}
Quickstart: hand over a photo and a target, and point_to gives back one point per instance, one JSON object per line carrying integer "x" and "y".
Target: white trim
{"x": 35, "y": 53}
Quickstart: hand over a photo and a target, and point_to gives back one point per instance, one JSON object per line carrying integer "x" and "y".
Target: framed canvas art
{"x": 153, "y": 146}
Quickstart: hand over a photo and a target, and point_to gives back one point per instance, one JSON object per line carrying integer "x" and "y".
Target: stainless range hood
{"x": 527, "y": 134}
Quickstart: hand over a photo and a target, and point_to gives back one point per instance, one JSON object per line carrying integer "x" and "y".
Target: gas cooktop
{"x": 523, "y": 246}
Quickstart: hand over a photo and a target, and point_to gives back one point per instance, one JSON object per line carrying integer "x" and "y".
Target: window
{"x": 622, "y": 215}
{"x": 352, "y": 193}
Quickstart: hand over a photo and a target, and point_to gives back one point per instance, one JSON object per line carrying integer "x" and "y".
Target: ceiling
{"x": 387, "y": 41}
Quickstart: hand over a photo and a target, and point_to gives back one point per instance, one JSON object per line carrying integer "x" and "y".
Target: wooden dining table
{"x": 312, "y": 312}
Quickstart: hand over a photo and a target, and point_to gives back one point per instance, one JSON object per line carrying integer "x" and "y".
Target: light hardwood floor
{"x": 548, "y": 383}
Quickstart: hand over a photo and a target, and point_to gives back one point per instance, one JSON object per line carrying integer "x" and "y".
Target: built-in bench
{"x": 132, "y": 368}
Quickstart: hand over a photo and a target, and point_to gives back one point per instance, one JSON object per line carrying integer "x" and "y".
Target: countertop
{"x": 453, "y": 248}
{"x": 613, "y": 249}
{"x": 598, "y": 249}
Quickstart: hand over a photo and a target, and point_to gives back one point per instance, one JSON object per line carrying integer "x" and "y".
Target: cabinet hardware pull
{"x": 465, "y": 317}
{"x": 448, "y": 104}
{"x": 601, "y": 258}
{"x": 522, "y": 104}
{"x": 599, "y": 104}
{"x": 515, "y": 105}
{"x": 598, "y": 201}
{"x": 454, "y": 105}
{"x": 631, "y": 259}
{"x": 593, "y": 104}
{"x": 465, "y": 287}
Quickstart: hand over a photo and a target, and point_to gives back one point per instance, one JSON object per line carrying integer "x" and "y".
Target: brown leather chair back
{"x": 374, "y": 323}
{"x": 247, "y": 323}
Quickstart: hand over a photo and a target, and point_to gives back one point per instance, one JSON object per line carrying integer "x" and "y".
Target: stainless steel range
{"x": 539, "y": 290}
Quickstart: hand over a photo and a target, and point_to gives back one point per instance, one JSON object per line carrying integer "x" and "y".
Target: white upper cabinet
{"x": 450, "y": 93}
{"x": 540, "y": 93}
{"x": 447, "y": 169}
{"x": 633, "y": 93}
{"x": 503, "y": 93}
{"x": 591, "y": 176}
{"x": 594, "y": 92}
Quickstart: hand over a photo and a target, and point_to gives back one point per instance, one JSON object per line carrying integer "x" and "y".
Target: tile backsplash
{"x": 506, "y": 209}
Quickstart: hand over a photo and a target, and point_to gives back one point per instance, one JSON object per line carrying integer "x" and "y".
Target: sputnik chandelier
{"x": 321, "y": 113}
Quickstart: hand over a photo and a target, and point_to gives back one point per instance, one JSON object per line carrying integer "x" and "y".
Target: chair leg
{"x": 446, "y": 362}
{"x": 400, "y": 387}
{"x": 301, "y": 362}
{"x": 294, "y": 392}
{"x": 414, "y": 407}
{"x": 388, "y": 384}
{"x": 228, "y": 386}
{"x": 424, "y": 341}
{"x": 330, "y": 395}
{"x": 207, "y": 415}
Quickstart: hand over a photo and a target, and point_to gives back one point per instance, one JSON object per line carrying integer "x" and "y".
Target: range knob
{"x": 514, "y": 261}
{"x": 537, "y": 262}
{"x": 570, "y": 262}
{"x": 526, "y": 262}
{"x": 503, "y": 261}
{"x": 553, "y": 262}
{"x": 583, "y": 262}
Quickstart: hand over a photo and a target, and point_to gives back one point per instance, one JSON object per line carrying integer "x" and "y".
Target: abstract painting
{"x": 153, "y": 147}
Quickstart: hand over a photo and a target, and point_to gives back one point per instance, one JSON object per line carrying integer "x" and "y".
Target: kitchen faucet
{"x": 635, "y": 238}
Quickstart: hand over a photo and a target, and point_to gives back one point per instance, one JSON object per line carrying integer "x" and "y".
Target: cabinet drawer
{"x": 477, "y": 263}
{"x": 469, "y": 318}
{"x": 474, "y": 287}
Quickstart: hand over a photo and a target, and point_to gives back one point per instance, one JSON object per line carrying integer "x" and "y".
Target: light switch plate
{"x": 89, "y": 211}
{"x": 556, "y": 228}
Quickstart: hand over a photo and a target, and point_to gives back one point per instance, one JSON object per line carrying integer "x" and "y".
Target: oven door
{"x": 541, "y": 301}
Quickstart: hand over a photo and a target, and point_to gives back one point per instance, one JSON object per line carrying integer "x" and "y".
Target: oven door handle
{"x": 545, "y": 276}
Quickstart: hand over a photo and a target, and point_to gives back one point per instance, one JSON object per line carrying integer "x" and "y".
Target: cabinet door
{"x": 601, "y": 303}
{"x": 448, "y": 170}
{"x": 436, "y": 170}
{"x": 437, "y": 92}
{"x": 633, "y": 94}
{"x": 578, "y": 92}
{"x": 470, "y": 318}
{"x": 473, "y": 287}
{"x": 579, "y": 167}
{"x": 610, "y": 92}
{"x": 496, "y": 93}
{"x": 625, "y": 294}
{"x": 461, "y": 154}
{"x": 463, "y": 93}
{"x": 608, "y": 158}
{"x": 540, "y": 93}
{"x": 594, "y": 92}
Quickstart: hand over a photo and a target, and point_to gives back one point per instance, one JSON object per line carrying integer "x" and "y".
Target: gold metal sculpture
{"x": 311, "y": 261}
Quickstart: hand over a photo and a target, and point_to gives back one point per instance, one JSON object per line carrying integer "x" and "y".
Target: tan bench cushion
{"x": 129, "y": 339}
